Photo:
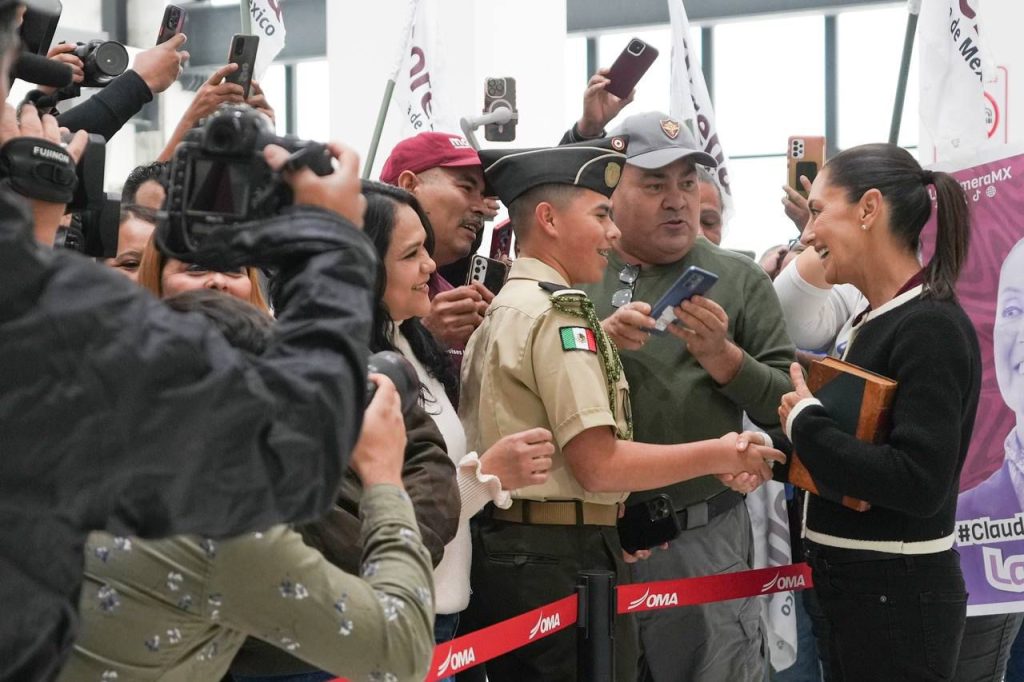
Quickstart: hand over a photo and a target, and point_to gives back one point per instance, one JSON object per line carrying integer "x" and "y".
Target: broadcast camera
{"x": 218, "y": 175}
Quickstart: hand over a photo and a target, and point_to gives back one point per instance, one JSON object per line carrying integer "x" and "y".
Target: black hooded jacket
{"x": 120, "y": 414}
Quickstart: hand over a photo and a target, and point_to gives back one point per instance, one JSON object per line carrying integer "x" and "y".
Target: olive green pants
{"x": 519, "y": 567}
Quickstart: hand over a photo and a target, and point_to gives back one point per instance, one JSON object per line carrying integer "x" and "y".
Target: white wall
{"x": 478, "y": 38}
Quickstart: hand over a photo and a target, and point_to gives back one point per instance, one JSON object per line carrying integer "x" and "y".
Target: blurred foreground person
{"x": 99, "y": 378}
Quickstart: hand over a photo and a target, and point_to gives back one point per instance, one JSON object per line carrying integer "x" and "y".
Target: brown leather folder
{"x": 859, "y": 401}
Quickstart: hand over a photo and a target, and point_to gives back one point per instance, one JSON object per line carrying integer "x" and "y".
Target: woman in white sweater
{"x": 402, "y": 234}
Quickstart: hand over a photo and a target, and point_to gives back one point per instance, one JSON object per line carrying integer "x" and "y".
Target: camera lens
{"x": 111, "y": 58}
{"x": 239, "y": 46}
{"x": 635, "y": 47}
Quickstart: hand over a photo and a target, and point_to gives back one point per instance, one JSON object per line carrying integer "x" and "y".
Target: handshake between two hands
{"x": 750, "y": 459}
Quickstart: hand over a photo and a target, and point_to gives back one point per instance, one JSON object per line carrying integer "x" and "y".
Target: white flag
{"x": 267, "y": 23}
{"x": 953, "y": 69}
{"x": 417, "y": 93}
{"x": 689, "y": 100}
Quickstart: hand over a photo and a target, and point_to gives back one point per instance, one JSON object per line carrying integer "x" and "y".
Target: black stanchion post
{"x": 595, "y": 628}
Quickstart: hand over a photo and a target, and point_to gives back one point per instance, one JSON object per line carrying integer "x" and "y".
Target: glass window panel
{"x": 312, "y": 110}
{"x": 576, "y": 75}
{"x": 769, "y": 82}
{"x": 867, "y": 77}
{"x": 758, "y": 222}
{"x": 273, "y": 88}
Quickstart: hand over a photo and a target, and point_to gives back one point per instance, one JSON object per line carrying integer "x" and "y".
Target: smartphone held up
{"x": 498, "y": 93}
{"x": 243, "y": 52}
{"x": 805, "y": 155}
{"x": 173, "y": 23}
{"x": 630, "y": 66}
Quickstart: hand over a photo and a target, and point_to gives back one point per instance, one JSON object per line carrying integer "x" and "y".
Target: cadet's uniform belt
{"x": 558, "y": 513}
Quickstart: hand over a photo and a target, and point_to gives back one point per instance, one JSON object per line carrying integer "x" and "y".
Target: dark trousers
{"x": 519, "y": 567}
{"x": 899, "y": 617}
{"x": 985, "y": 649}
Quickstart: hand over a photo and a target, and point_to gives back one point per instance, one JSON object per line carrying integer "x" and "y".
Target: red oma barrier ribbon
{"x": 688, "y": 591}
{"x": 499, "y": 639}
{"x": 496, "y": 640}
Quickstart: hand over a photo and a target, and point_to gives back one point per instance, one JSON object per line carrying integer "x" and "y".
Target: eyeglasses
{"x": 627, "y": 276}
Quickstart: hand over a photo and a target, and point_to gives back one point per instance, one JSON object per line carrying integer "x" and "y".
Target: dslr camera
{"x": 103, "y": 61}
{"x": 218, "y": 175}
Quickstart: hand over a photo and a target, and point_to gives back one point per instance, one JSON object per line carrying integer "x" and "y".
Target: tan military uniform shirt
{"x": 531, "y": 365}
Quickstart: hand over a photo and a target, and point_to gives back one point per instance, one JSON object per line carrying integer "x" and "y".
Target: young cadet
{"x": 540, "y": 359}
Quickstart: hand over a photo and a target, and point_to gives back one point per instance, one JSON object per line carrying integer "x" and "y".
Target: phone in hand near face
{"x": 693, "y": 282}
{"x": 488, "y": 271}
{"x": 172, "y": 24}
{"x": 648, "y": 524}
{"x": 500, "y": 92}
{"x": 243, "y": 52}
{"x": 805, "y": 155}
{"x": 629, "y": 67}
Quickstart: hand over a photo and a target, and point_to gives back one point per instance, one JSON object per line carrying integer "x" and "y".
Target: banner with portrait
{"x": 990, "y": 515}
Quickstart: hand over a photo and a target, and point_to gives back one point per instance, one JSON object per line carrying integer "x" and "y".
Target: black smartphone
{"x": 488, "y": 271}
{"x": 648, "y": 524}
{"x": 630, "y": 66}
{"x": 172, "y": 24}
{"x": 500, "y": 92}
{"x": 693, "y": 282}
{"x": 243, "y": 52}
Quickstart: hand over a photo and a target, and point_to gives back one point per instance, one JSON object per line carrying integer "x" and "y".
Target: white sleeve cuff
{"x": 797, "y": 409}
{"x": 478, "y": 488}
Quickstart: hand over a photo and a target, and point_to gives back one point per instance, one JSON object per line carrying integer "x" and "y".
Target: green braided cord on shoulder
{"x": 579, "y": 305}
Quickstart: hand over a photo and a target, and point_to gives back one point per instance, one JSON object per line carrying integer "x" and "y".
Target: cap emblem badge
{"x": 612, "y": 173}
{"x": 670, "y": 128}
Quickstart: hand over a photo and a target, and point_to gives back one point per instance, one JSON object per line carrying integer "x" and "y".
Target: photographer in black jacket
{"x": 118, "y": 414}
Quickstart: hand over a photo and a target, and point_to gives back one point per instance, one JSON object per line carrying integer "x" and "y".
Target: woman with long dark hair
{"x": 401, "y": 232}
{"x": 888, "y": 579}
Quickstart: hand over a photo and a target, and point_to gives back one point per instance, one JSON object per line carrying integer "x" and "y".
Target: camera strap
{"x": 38, "y": 169}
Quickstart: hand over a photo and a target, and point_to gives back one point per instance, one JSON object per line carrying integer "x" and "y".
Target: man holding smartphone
{"x": 540, "y": 359}
{"x": 442, "y": 170}
{"x": 728, "y": 355}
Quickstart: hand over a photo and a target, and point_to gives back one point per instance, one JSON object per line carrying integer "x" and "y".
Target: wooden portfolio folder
{"x": 859, "y": 402}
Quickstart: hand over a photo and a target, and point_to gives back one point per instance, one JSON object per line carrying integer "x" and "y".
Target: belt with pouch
{"x": 699, "y": 514}
{"x": 558, "y": 513}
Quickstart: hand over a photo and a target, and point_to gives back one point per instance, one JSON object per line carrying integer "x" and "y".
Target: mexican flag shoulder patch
{"x": 578, "y": 338}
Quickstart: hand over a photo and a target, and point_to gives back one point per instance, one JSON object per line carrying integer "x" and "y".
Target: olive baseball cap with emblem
{"x": 594, "y": 164}
{"x": 47, "y": 6}
{"x": 657, "y": 139}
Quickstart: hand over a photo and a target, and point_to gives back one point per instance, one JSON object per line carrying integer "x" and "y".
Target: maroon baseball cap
{"x": 428, "y": 150}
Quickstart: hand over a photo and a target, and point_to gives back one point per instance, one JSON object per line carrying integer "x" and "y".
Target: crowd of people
{"x": 199, "y": 483}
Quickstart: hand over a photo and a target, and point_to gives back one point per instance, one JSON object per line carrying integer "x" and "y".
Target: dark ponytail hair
{"x": 379, "y": 225}
{"x": 895, "y": 173}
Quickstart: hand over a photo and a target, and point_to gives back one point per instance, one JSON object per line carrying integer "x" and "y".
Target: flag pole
{"x": 243, "y": 5}
{"x": 382, "y": 115}
{"x": 389, "y": 89}
{"x": 914, "y": 9}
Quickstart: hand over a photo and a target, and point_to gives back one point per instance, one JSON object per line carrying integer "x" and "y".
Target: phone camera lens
{"x": 239, "y": 46}
{"x": 635, "y": 47}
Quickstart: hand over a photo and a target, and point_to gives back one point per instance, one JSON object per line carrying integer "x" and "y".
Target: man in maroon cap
{"x": 443, "y": 171}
